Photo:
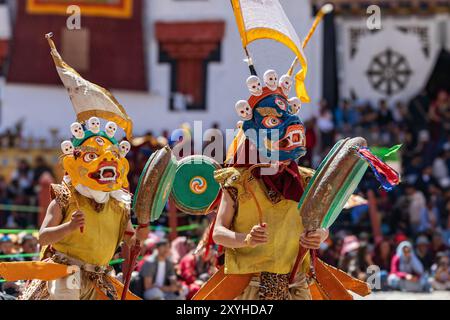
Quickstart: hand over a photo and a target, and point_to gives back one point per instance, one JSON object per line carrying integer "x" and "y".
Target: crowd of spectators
{"x": 412, "y": 253}
{"x": 21, "y": 189}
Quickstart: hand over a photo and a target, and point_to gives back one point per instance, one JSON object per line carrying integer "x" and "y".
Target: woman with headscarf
{"x": 407, "y": 272}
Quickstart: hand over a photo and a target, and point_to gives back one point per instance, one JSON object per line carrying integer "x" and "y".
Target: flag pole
{"x": 325, "y": 9}
{"x": 249, "y": 61}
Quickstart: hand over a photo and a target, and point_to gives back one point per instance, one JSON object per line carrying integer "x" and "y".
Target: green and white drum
{"x": 194, "y": 188}
{"x": 154, "y": 186}
{"x": 332, "y": 185}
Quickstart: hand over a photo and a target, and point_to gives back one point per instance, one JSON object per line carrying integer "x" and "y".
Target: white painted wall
{"x": 45, "y": 107}
{"x": 5, "y": 26}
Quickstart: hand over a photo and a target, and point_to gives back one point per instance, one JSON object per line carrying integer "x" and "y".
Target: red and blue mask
{"x": 270, "y": 120}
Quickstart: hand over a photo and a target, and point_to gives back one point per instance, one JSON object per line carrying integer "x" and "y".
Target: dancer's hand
{"x": 77, "y": 221}
{"x": 257, "y": 236}
{"x": 313, "y": 239}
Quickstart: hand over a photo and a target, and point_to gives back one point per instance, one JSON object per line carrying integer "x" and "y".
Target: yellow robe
{"x": 284, "y": 226}
{"x": 103, "y": 231}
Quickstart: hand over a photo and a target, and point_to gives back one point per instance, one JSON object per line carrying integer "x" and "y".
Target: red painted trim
{"x": 253, "y": 100}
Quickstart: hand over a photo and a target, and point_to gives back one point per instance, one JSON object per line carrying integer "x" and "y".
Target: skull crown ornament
{"x": 94, "y": 158}
{"x": 269, "y": 111}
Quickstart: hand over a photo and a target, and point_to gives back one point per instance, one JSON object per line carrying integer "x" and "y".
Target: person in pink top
{"x": 407, "y": 272}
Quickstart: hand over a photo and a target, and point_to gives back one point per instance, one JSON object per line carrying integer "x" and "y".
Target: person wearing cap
{"x": 423, "y": 252}
{"x": 7, "y": 248}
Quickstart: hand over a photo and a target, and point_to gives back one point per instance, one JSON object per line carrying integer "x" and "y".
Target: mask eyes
{"x": 270, "y": 121}
{"x": 280, "y": 103}
{"x": 90, "y": 156}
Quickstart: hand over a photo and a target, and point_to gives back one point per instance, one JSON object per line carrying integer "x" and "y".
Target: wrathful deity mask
{"x": 95, "y": 159}
{"x": 270, "y": 119}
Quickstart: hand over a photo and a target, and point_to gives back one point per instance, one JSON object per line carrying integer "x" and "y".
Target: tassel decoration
{"x": 387, "y": 176}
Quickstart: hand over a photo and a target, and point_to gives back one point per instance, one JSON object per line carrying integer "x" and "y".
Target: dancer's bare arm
{"x": 224, "y": 236}
{"x": 52, "y": 230}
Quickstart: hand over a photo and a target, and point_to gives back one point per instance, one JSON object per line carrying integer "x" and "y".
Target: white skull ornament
{"x": 94, "y": 125}
{"x": 110, "y": 129}
{"x": 77, "y": 130}
{"x": 124, "y": 147}
{"x": 244, "y": 110}
{"x": 271, "y": 79}
{"x": 67, "y": 147}
{"x": 285, "y": 83}
{"x": 295, "y": 104}
{"x": 254, "y": 85}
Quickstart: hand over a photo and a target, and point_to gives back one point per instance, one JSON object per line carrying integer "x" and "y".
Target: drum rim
{"x": 168, "y": 175}
{"x": 178, "y": 204}
{"x": 355, "y": 174}
{"x": 151, "y": 161}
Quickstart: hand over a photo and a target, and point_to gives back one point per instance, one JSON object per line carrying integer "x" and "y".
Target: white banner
{"x": 393, "y": 63}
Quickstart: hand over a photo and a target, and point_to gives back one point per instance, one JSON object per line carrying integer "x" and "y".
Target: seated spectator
{"x": 7, "y": 248}
{"x": 158, "y": 274}
{"x": 325, "y": 125}
{"x": 425, "y": 180}
{"x": 332, "y": 253}
{"x": 29, "y": 245}
{"x": 418, "y": 110}
{"x": 384, "y": 115}
{"x": 441, "y": 170}
{"x": 438, "y": 244}
{"x": 417, "y": 203}
{"x": 382, "y": 256}
{"x": 407, "y": 272}
{"x": 180, "y": 246}
{"x": 429, "y": 218}
{"x": 441, "y": 274}
{"x": 194, "y": 270}
{"x": 346, "y": 117}
{"x": 423, "y": 252}
{"x": 349, "y": 256}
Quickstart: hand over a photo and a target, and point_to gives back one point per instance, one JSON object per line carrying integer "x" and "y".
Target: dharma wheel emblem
{"x": 389, "y": 72}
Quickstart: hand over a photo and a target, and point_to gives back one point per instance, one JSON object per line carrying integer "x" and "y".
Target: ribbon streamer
{"x": 387, "y": 176}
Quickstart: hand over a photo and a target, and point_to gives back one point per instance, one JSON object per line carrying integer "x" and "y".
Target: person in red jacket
{"x": 194, "y": 269}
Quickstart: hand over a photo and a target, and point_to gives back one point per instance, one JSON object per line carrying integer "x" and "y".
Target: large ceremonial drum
{"x": 154, "y": 185}
{"x": 194, "y": 188}
{"x": 332, "y": 184}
